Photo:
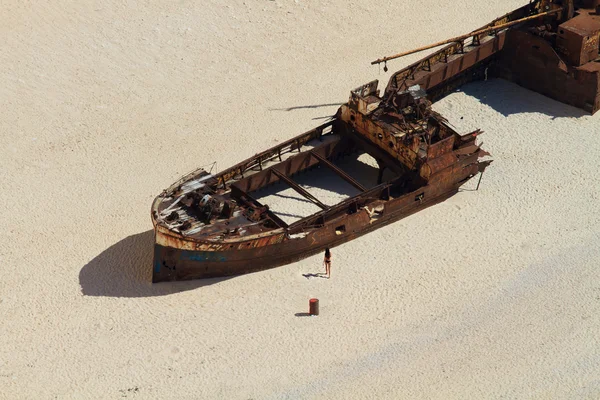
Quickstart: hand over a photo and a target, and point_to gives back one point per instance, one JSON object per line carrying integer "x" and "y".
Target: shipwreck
{"x": 212, "y": 225}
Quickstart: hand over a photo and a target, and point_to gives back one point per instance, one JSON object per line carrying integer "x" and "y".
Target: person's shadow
{"x": 125, "y": 270}
{"x": 316, "y": 275}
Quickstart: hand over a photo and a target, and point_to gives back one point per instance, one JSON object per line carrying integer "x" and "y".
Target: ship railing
{"x": 289, "y": 146}
{"x": 400, "y": 80}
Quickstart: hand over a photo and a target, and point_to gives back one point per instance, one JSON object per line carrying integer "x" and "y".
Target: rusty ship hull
{"x": 212, "y": 225}
{"x": 171, "y": 262}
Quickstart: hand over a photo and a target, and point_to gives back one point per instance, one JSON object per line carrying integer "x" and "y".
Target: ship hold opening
{"x": 340, "y": 230}
{"x": 322, "y": 175}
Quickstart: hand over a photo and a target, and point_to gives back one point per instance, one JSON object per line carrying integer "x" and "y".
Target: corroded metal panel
{"x": 442, "y": 147}
{"x": 530, "y": 61}
{"x": 384, "y": 139}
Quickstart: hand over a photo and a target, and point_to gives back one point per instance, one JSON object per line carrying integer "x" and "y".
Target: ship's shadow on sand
{"x": 508, "y": 98}
{"x": 504, "y": 96}
{"x": 125, "y": 270}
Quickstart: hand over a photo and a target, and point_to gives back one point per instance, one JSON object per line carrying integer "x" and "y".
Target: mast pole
{"x": 468, "y": 35}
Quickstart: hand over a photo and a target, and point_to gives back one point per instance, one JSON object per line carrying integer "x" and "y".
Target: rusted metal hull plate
{"x": 181, "y": 264}
{"x": 531, "y": 62}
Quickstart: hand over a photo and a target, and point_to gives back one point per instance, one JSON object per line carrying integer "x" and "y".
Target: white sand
{"x": 491, "y": 294}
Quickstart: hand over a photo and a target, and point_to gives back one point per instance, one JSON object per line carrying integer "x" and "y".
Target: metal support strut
{"x": 299, "y": 189}
{"x": 338, "y": 171}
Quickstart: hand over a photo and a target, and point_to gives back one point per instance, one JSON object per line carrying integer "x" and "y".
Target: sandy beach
{"x": 493, "y": 293}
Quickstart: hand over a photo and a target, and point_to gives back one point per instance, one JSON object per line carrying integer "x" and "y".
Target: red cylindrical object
{"x": 313, "y": 306}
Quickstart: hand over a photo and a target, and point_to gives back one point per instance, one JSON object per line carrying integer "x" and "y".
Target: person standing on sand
{"x": 327, "y": 262}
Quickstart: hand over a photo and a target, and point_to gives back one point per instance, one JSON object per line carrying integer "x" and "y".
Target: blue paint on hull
{"x": 203, "y": 256}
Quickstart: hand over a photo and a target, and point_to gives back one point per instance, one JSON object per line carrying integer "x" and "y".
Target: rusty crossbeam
{"x": 299, "y": 189}
{"x": 338, "y": 171}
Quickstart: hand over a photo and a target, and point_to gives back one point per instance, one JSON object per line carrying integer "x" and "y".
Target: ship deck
{"x": 293, "y": 182}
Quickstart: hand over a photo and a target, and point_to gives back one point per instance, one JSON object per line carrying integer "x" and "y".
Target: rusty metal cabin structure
{"x": 211, "y": 225}
{"x": 548, "y": 46}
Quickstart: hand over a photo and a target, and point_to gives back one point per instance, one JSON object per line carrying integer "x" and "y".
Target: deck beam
{"x": 298, "y": 188}
{"x": 338, "y": 171}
